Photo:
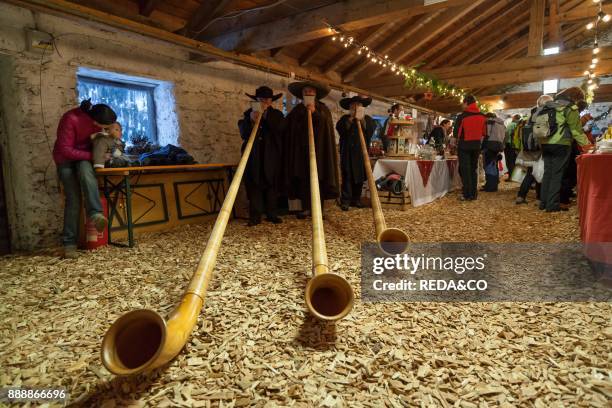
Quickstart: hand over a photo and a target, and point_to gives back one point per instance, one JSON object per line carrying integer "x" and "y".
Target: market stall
{"x": 425, "y": 180}
{"x": 595, "y": 206}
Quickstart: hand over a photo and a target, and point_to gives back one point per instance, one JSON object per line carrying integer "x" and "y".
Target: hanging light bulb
{"x": 334, "y": 38}
{"x": 342, "y": 39}
{"x": 606, "y": 18}
{"x": 592, "y": 75}
{"x": 596, "y": 1}
{"x": 592, "y": 66}
{"x": 590, "y": 26}
{"x": 384, "y": 65}
{"x": 346, "y": 45}
{"x": 373, "y": 59}
{"x": 392, "y": 69}
{"x": 590, "y": 81}
{"x": 359, "y": 52}
{"x": 595, "y": 61}
{"x": 587, "y": 73}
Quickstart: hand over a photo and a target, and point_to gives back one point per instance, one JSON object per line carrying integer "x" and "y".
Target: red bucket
{"x": 90, "y": 238}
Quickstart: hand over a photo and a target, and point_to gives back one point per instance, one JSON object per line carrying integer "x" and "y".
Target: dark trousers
{"x": 511, "y": 154}
{"x": 526, "y": 184}
{"x": 570, "y": 178}
{"x": 491, "y": 171}
{"x": 78, "y": 177}
{"x": 351, "y": 192}
{"x": 556, "y": 159}
{"x": 303, "y": 189}
{"x": 468, "y": 166}
{"x": 261, "y": 201}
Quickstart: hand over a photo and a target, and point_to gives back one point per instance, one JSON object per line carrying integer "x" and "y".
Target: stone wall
{"x": 209, "y": 100}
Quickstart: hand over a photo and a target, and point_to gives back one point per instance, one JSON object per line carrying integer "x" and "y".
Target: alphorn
{"x": 328, "y": 296}
{"x": 141, "y": 340}
{"x": 390, "y": 240}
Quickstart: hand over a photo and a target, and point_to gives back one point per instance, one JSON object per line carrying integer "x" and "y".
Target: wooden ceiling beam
{"x": 452, "y": 34}
{"x": 528, "y": 99}
{"x": 555, "y": 39}
{"x": 575, "y": 70}
{"x": 87, "y": 15}
{"x": 407, "y": 30}
{"x": 207, "y": 12}
{"x": 312, "y": 52}
{"x": 146, "y": 7}
{"x": 348, "y": 15}
{"x": 585, "y": 12}
{"x": 536, "y": 27}
{"x": 508, "y": 14}
{"x": 345, "y": 54}
{"x": 568, "y": 57}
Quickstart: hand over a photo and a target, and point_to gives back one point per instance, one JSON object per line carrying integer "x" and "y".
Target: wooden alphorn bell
{"x": 390, "y": 240}
{"x": 142, "y": 340}
{"x": 328, "y": 296}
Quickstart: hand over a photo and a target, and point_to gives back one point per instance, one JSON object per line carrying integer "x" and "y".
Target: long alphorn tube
{"x": 390, "y": 240}
{"x": 141, "y": 340}
{"x": 328, "y": 296}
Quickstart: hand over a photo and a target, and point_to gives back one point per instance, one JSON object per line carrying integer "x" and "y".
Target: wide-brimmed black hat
{"x": 296, "y": 88}
{"x": 264, "y": 92}
{"x": 363, "y": 100}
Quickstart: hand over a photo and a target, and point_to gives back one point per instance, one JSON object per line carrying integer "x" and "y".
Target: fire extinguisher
{"x": 91, "y": 238}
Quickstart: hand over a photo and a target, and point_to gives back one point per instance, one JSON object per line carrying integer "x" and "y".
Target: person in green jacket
{"x": 556, "y": 149}
{"x": 510, "y": 151}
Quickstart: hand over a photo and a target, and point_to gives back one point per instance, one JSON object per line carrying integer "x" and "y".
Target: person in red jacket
{"x": 470, "y": 130}
{"x": 72, "y": 154}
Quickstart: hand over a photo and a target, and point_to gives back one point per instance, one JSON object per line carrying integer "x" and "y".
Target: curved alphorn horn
{"x": 390, "y": 240}
{"x": 328, "y": 296}
{"x": 141, "y": 340}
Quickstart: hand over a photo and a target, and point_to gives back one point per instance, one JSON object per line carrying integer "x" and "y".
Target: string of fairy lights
{"x": 591, "y": 81}
{"x": 412, "y": 77}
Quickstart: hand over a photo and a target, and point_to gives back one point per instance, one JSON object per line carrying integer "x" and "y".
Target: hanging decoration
{"x": 591, "y": 81}
{"x": 412, "y": 77}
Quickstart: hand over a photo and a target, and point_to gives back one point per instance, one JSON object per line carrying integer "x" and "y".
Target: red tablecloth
{"x": 595, "y": 204}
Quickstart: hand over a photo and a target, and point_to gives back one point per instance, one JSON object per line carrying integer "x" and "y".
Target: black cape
{"x": 351, "y": 157}
{"x": 297, "y": 166}
{"x": 264, "y": 165}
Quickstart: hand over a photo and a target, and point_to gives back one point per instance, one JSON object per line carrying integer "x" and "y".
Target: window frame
{"x": 148, "y": 88}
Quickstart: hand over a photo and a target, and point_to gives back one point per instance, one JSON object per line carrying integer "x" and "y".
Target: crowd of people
{"x": 552, "y": 133}
{"x": 89, "y": 136}
{"x": 279, "y": 160}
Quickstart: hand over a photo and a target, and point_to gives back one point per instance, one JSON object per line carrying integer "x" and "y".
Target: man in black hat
{"x": 296, "y": 145}
{"x": 351, "y": 156}
{"x": 262, "y": 173}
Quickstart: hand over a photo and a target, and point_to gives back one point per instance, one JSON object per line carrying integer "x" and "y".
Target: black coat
{"x": 296, "y": 156}
{"x": 351, "y": 157}
{"x": 264, "y": 165}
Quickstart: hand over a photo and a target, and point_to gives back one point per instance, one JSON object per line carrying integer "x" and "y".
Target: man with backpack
{"x": 510, "y": 150}
{"x": 555, "y": 126}
{"x": 470, "y": 128}
{"x": 491, "y": 148}
{"x": 531, "y": 151}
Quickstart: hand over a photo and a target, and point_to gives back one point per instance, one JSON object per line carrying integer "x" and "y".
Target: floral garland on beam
{"x": 412, "y": 77}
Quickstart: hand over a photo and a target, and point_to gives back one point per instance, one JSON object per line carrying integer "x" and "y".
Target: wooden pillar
{"x": 555, "y": 35}
{"x": 536, "y": 28}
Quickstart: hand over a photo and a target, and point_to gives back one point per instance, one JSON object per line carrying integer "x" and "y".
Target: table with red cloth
{"x": 426, "y": 180}
{"x": 595, "y": 205}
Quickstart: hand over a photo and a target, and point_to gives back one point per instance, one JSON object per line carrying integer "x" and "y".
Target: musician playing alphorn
{"x": 262, "y": 173}
{"x": 296, "y": 146}
{"x": 351, "y": 156}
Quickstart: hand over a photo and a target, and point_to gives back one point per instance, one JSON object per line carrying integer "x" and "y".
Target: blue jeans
{"x": 77, "y": 176}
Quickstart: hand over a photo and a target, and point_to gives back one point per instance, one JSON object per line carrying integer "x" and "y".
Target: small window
{"x": 134, "y": 105}
{"x": 145, "y": 107}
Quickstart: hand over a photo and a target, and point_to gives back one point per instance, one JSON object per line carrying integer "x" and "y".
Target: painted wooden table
{"x": 154, "y": 198}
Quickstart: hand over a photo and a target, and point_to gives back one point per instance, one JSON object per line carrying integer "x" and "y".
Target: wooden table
{"x": 122, "y": 182}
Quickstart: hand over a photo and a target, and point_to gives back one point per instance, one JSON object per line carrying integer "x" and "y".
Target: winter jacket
{"x": 73, "y": 141}
{"x": 510, "y": 130}
{"x": 471, "y": 128}
{"x": 568, "y": 125}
